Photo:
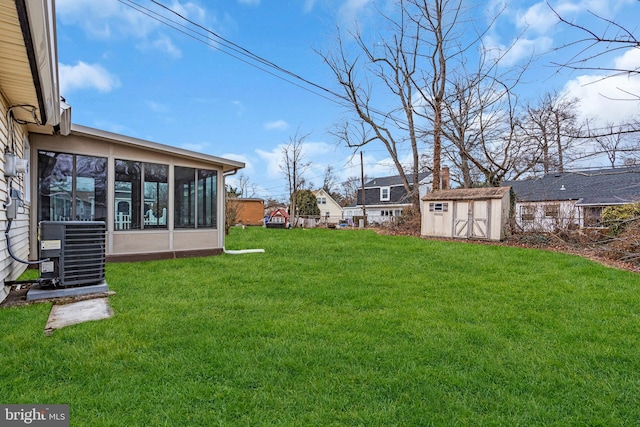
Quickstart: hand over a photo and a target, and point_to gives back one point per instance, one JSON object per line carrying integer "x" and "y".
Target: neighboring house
{"x": 385, "y": 199}
{"x": 469, "y": 213}
{"x": 157, "y": 201}
{"x": 249, "y": 211}
{"x": 572, "y": 199}
{"x": 330, "y": 210}
{"x": 278, "y": 218}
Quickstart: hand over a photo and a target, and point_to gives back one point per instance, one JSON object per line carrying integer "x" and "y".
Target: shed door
{"x": 471, "y": 219}
{"x": 480, "y": 219}
{"x": 461, "y": 219}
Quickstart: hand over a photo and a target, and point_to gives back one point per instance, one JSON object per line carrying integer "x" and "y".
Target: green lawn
{"x": 336, "y": 327}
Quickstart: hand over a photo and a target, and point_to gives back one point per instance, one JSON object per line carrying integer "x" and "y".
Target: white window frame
{"x": 385, "y": 194}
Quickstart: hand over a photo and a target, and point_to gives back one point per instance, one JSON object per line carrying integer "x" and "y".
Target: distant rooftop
{"x": 594, "y": 186}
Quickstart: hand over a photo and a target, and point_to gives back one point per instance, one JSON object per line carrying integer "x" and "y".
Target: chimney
{"x": 445, "y": 178}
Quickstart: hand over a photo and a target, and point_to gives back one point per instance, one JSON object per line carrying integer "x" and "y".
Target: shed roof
{"x": 468, "y": 194}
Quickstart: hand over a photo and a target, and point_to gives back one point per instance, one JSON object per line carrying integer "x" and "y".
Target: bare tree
{"x": 293, "y": 167}
{"x": 330, "y": 180}
{"x": 438, "y": 19}
{"x": 349, "y": 189}
{"x": 425, "y": 39}
{"x": 552, "y": 125}
{"x": 246, "y": 187}
{"x": 593, "y": 43}
{"x": 618, "y": 146}
{"x": 391, "y": 65}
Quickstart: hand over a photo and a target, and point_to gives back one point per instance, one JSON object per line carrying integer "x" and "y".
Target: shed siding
{"x": 489, "y": 218}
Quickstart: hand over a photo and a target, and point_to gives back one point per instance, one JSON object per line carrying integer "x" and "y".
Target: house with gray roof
{"x": 572, "y": 199}
{"x": 385, "y": 198}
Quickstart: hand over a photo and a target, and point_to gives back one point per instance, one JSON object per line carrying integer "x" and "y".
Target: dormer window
{"x": 385, "y": 194}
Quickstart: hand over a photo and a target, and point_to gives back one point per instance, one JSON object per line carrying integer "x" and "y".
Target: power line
{"x": 240, "y": 52}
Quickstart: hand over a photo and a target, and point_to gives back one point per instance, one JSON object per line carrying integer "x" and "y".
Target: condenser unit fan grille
{"x": 76, "y": 250}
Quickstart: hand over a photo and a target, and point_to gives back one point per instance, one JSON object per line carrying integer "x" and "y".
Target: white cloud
{"x": 522, "y": 49}
{"x": 157, "y": 108}
{"x": 277, "y": 125}
{"x": 249, "y": 2}
{"x": 308, "y": 5}
{"x": 630, "y": 60}
{"x": 609, "y": 97}
{"x": 606, "y": 99}
{"x": 352, "y": 12}
{"x": 86, "y": 76}
{"x": 248, "y": 166}
{"x": 538, "y": 18}
{"x": 272, "y": 159}
{"x": 165, "y": 44}
{"x": 108, "y": 19}
{"x": 104, "y": 19}
{"x": 198, "y": 147}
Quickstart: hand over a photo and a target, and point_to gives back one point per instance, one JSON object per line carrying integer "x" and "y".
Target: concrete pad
{"x": 36, "y": 293}
{"x": 62, "y": 315}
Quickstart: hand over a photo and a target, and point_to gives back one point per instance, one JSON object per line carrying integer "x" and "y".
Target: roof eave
{"x": 37, "y": 23}
{"x": 227, "y": 164}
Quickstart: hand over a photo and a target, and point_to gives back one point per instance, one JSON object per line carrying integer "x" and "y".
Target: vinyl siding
{"x": 10, "y": 269}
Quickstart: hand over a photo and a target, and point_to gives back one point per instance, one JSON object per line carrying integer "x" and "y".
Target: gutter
{"x": 37, "y": 23}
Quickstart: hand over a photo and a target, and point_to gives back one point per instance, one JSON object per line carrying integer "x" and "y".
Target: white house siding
{"x": 330, "y": 210}
{"x": 385, "y": 214}
{"x": 547, "y": 216}
{"x": 10, "y": 269}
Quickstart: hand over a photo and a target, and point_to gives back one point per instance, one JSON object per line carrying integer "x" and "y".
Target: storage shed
{"x": 469, "y": 213}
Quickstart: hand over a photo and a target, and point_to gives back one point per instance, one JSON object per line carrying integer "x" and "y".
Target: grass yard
{"x": 335, "y": 327}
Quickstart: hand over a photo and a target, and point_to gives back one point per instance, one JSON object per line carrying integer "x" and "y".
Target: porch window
{"x": 71, "y": 187}
{"x": 141, "y": 195}
{"x": 195, "y": 198}
{"x": 207, "y": 203}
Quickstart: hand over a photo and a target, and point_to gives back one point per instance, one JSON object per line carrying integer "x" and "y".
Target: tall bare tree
{"x": 423, "y": 40}
{"x": 552, "y": 124}
{"x": 438, "y": 19}
{"x": 293, "y": 166}
{"x": 388, "y": 67}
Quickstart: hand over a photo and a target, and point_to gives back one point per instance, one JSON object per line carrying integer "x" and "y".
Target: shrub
{"x": 618, "y": 217}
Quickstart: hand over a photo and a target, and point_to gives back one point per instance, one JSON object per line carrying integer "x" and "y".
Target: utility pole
{"x": 364, "y": 208}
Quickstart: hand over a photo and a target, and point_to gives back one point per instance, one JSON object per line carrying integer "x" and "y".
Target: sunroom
{"x": 157, "y": 201}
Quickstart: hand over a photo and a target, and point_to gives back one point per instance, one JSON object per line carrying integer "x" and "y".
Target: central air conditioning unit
{"x": 75, "y": 253}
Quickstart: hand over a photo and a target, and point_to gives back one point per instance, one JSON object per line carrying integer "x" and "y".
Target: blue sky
{"x": 124, "y": 72}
